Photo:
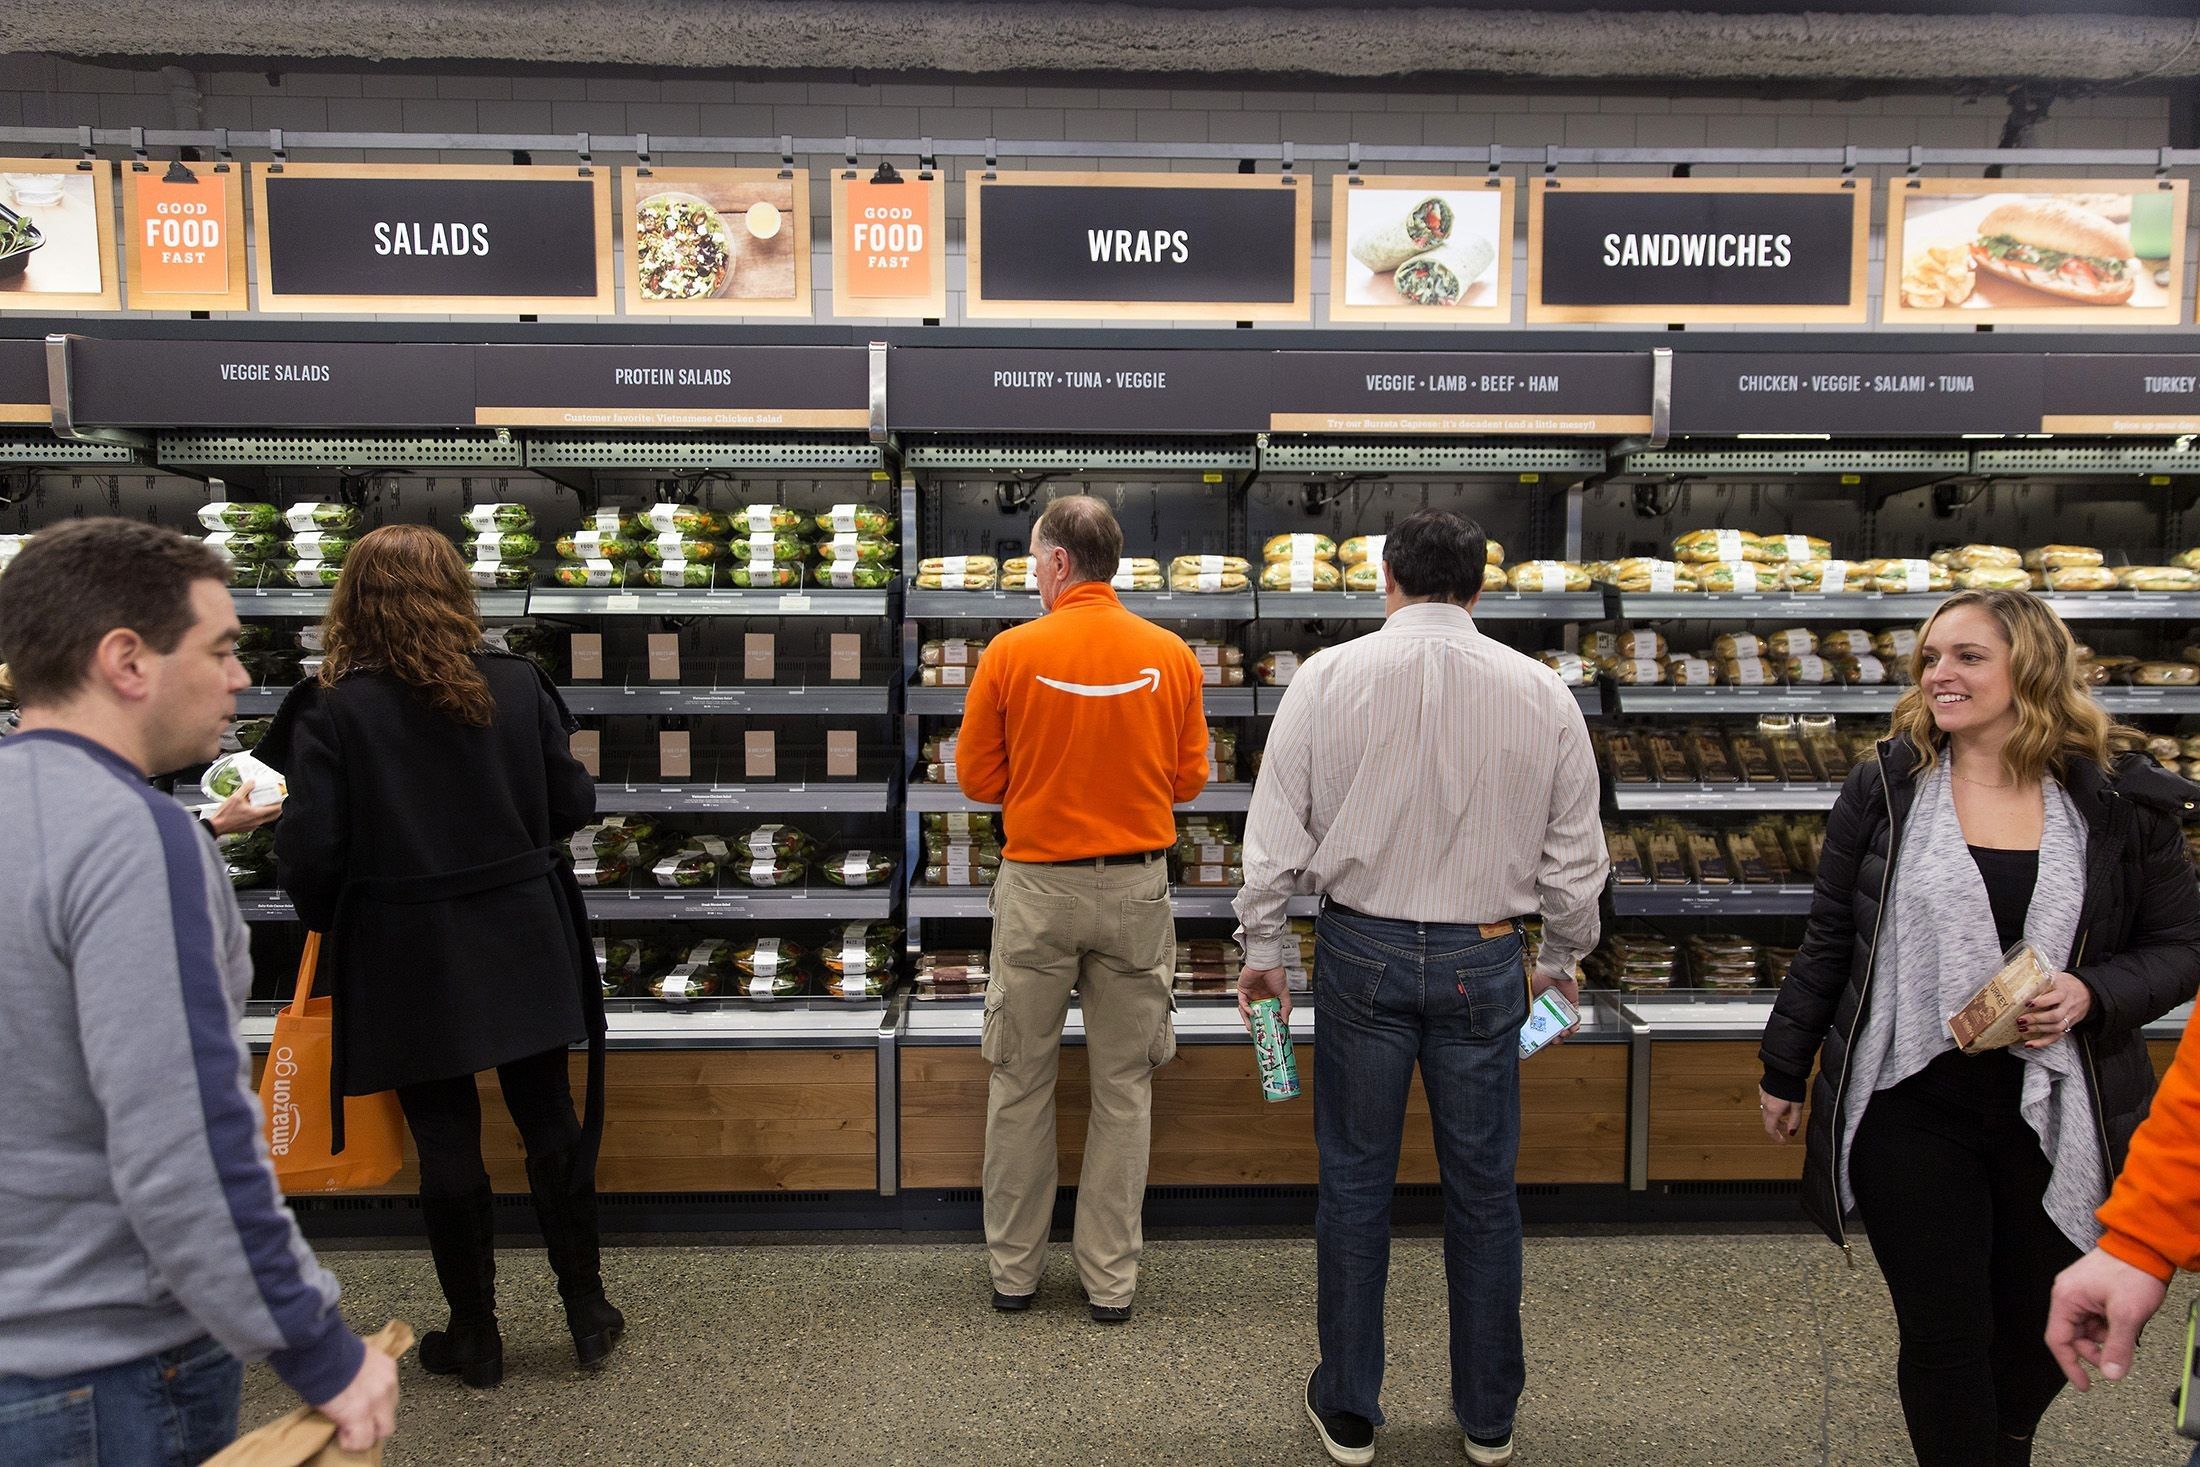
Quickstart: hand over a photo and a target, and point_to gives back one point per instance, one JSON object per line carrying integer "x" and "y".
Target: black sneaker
{"x": 1011, "y": 1303}
{"x": 1111, "y": 1314}
{"x": 1346, "y": 1438}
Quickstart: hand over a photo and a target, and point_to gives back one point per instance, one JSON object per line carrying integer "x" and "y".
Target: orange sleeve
{"x": 981, "y": 747}
{"x": 2152, "y": 1217}
{"x": 1191, "y": 750}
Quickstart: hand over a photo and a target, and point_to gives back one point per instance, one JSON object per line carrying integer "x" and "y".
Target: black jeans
{"x": 445, "y": 1117}
{"x": 1951, "y": 1196}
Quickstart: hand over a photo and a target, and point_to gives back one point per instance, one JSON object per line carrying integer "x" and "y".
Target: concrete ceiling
{"x": 889, "y": 36}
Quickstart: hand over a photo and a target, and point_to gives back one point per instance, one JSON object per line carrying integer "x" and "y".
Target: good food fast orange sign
{"x": 889, "y": 248}
{"x": 183, "y": 239}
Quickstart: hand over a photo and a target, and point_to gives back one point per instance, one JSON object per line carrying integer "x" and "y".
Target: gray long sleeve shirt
{"x": 137, "y": 1208}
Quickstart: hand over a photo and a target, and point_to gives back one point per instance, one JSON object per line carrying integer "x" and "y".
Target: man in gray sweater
{"x": 144, "y": 1246}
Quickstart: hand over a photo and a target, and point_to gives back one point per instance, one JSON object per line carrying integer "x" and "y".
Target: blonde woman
{"x": 1994, "y": 814}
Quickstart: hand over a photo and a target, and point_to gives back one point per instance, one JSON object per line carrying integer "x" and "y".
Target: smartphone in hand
{"x": 1548, "y": 1017}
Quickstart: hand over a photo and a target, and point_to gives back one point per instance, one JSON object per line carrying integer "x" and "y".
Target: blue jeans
{"x": 1388, "y": 995}
{"x": 173, "y": 1409}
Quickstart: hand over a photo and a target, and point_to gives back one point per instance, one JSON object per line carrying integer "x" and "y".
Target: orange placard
{"x": 889, "y": 251}
{"x": 183, "y": 240}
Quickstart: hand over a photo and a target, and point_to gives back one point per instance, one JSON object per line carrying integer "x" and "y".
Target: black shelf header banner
{"x": 2122, "y": 394}
{"x": 1460, "y": 392}
{"x": 1897, "y": 393}
{"x": 1077, "y": 390}
{"x": 260, "y": 384}
{"x": 671, "y": 387}
{"x": 23, "y": 396}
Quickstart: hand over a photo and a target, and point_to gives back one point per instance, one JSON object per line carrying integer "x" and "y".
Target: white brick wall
{"x": 44, "y": 91}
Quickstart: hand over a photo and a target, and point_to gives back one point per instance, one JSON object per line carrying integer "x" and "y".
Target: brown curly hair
{"x": 405, "y": 606}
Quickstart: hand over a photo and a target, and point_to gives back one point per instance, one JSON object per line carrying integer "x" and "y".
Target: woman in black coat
{"x": 431, "y": 791}
{"x": 2000, "y": 749}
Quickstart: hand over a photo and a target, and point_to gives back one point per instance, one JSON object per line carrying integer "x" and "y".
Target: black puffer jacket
{"x": 2137, "y": 950}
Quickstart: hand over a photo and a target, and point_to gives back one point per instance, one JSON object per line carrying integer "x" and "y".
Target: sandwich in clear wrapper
{"x": 1989, "y": 1020}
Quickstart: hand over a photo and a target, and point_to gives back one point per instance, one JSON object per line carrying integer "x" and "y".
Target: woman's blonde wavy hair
{"x": 405, "y": 606}
{"x": 2057, "y": 719}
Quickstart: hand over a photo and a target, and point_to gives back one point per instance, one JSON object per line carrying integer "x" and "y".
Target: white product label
{"x": 954, "y": 565}
{"x": 591, "y": 544}
{"x": 1901, "y": 644}
{"x": 1208, "y": 656}
{"x": 954, "y": 677}
{"x": 210, "y": 515}
{"x": 1375, "y": 545}
{"x": 1600, "y": 646}
{"x": 1287, "y": 665}
{"x": 1835, "y": 577}
{"x": 221, "y": 540}
{"x": 841, "y": 547}
{"x": 1299, "y": 547}
{"x": 855, "y": 868}
{"x": 762, "y": 987}
{"x": 1750, "y": 673}
{"x": 767, "y": 957}
{"x": 1642, "y": 671}
{"x": 1691, "y": 672}
{"x": 1870, "y": 669}
{"x": 675, "y": 983}
{"x": 713, "y": 846}
{"x": 1810, "y": 669}
{"x": 672, "y": 572}
{"x": 583, "y": 845}
{"x": 599, "y": 572}
{"x": 1916, "y": 575}
{"x": 301, "y": 516}
{"x": 1542, "y": 575}
{"x": 1745, "y": 574}
{"x": 844, "y": 520}
{"x": 756, "y": 547}
{"x": 310, "y": 543}
{"x": 309, "y": 639}
{"x": 485, "y": 572}
{"x": 1213, "y": 855}
{"x": 960, "y": 872}
{"x": 762, "y": 839}
{"x": 1569, "y": 668}
{"x": 663, "y": 517}
{"x": 1794, "y": 642}
{"x": 604, "y": 522}
{"x": 666, "y": 870}
{"x": 959, "y": 652}
{"x": 1729, "y": 543}
{"x": 953, "y": 581}
{"x": 671, "y": 545}
{"x": 484, "y": 516}
{"x": 307, "y": 573}
{"x": 761, "y": 572}
{"x": 1798, "y": 547}
{"x": 1212, "y": 565}
{"x": 1844, "y": 644}
{"x": 840, "y": 574}
{"x": 1209, "y": 581}
{"x": 759, "y": 517}
{"x": 762, "y": 873}
{"x": 1662, "y": 577}
{"x": 946, "y": 755}
{"x": 1123, "y": 576}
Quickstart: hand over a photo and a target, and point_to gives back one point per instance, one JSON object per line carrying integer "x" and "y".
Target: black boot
{"x": 565, "y": 1205}
{"x": 462, "y": 1238}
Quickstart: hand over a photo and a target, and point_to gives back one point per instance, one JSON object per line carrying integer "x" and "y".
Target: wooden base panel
{"x": 1704, "y": 1121}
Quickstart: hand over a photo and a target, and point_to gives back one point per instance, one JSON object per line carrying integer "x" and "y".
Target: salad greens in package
{"x": 856, "y": 519}
{"x": 596, "y": 545}
{"x": 321, "y": 516}
{"x": 242, "y": 515}
{"x": 484, "y": 517}
{"x": 857, "y": 868}
{"x": 685, "y": 519}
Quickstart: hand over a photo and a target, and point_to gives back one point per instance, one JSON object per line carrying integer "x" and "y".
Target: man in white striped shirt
{"x": 1433, "y": 787}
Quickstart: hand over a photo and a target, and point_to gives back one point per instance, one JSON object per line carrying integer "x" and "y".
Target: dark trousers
{"x": 445, "y": 1117}
{"x": 1951, "y": 1196}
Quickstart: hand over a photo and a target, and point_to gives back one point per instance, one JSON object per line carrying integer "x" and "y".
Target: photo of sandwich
{"x": 1413, "y": 249}
{"x": 2051, "y": 253}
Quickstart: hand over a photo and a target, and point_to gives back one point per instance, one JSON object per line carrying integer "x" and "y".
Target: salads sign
{"x": 1712, "y": 250}
{"x": 716, "y": 241}
{"x": 1139, "y": 246}
{"x": 433, "y": 239}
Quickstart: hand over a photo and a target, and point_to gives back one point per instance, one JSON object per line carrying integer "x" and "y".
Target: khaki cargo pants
{"x": 1107, "y": 933}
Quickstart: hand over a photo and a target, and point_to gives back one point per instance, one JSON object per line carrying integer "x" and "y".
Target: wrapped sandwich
{"x": 2158, "y": 578}
{"x": 1543, "y": 576}
{"x": 2060, "y": 557}
{"x": 1298, "y": 547}
{"x": 1827, "y": 577}
{"x": 1741, "y": 576}
{"x": 1300, "y": 576}
{"x": 1206, "y": 574}
{"x": 1707, "y": 546}
{"x": 1979, "y": 557}
{"x": 2079, "y": 578}
{"x": 1993, "y": 578}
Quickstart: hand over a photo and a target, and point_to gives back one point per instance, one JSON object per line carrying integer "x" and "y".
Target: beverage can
{"x": 1279, "y": 1067}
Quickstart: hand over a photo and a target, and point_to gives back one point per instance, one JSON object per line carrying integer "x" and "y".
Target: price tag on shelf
{"x": 796, "y": 602}
{"x": 1210, "y": 477}
{"x": 622, "y": 601}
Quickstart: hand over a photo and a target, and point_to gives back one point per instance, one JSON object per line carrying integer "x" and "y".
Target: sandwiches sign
{"x": 1729, "y": 250}
{"x": 2091, "y": 250}
{"x": 1150, "y": 246}
{"x": 438, "y": 239}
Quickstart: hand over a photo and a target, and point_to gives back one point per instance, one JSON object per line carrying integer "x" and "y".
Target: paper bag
{"x": 1989, "y": 1020}
{"x": 294, "y": 1095}
{"x": 306, "y": 1438}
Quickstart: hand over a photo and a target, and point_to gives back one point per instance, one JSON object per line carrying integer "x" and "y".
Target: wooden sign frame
{"x": 1894, "y": 310}
{"x": 632, "y": 180}
{"x": 1344, "y": 187}
{"x": 231, "y": 178}
{"x": 1855, "y": 313}
{"x": 930, "y": 306}
{"x": 602, "y": 303}
{"x": 1299, "y": 308}
{"x": 109, "y": 295}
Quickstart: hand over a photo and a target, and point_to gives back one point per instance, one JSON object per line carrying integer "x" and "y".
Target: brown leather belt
{"x": 1135, "y": 858}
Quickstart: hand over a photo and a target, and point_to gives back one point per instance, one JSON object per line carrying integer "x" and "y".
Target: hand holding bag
{"x": 306, "y": 1438}
{"x": 294, "y": 1093}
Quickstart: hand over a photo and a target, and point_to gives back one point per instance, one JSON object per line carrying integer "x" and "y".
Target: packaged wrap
{"x": 1691, "y": 672}
{"x": 762, "y": 575}
{"x": 1361, "y": 550}
{"x": 2165, "y": 675}
{"x": 943, "y": 849}
{"x": 1862, "y": 672}
{"x": 339, "y": 518}
{"x": 1640, "y": 574}
{"x": 1368, "y": 576}
{"x": 240, "y": 515}
{"x": 1897, "y": 644}
{"x": 1424, "y": 227}
{"x": 958, "y": 573}
{"x": 1209, "y": 574}
{"x": 1572, "y": 670}
{"x": 1298, "y": 547}
{"x": 856, "y": 519}
{"x": 1711, "y": 546}
{"x": 596, "y": 545}
{"x": 1637, "y": 672}
{"x": 1788, "y": 642}
{"x": 1908, "y": 577}
{"x": 1795, "y": 549}
{"x": 2158, "y": 578}
{"x": 980, "y": 824}
{"x": 1847, "y": 642}
{"x": 1539, "y": 576}
{"x": 1742, "y": 576}
{"x": 1442, "y": 276}
{"x": 949, "y": 873}
{"x": 952, "y": 652}
{"x": 945, "y": 677}
{"x": 1993, "y": 578}
{"x": 1222, "y": 677}
{"x": 1211, "y": 876}
{"x": 2061, "y": 557}
{"x": 673, "y": 546}
{"x": 691, "y": 521}
{"x": 847, "y": 575}
{"x": 1979, "y": 557}
{"x": 1748, "y": 672}
{"x": 857, "y": 868}
{"x": 1300, "y": 576}
{"x": 1827, "y": 577}
{"x": 2079, "y": 578}
{"x": 856, "y": 550}
{"x": 1276, "y": 669}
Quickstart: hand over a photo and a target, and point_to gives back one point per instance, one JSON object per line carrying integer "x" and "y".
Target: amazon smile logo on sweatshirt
{"x": 1149, "y": 677}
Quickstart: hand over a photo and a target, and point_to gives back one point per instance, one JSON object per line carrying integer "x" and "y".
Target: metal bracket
{"x": 1495, "y": 159}
{"x": 1661, "y": 395}
{"x": 1288, "y": 159}
{"x": 2161, "y": 169}
{"x": 88, "y": 154}
{"x": 850, "y": 152}
{"x": 992, "y": 159}
{"x": 61, "y": 399}
{"x": 586, "y": 152}
{"x": 137, "y": 150}
{"x": 1916, "y": 166}
{"x": 224, "y": 157}
{"x": 278, "y": 155}
{"x": 1352, "y": 165}
{"x": 878, "y": 392}
{"x": 927, "y": 162}
{"x": 641, "y": 155}
{"x": 1550, "y": 166}
{"x": 1848, "y": 166}
{"x": 786, "y": 155}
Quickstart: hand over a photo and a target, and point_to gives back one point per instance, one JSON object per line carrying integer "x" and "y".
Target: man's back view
{"x": 1086, "y": 727}
{"x": 1434, "y": 787}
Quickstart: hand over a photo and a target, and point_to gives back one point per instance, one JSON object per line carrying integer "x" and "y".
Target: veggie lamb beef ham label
{"x": 434, "y": 239}
{"x": 1962, "y": 252}
{"x": 1139, "y": 246}
{"x": 1679, "y": 250}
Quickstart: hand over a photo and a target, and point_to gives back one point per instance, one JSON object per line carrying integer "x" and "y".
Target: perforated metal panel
{"x": 282, "y": 449}
{"x": 1846, "y": 458}
{"x": 702, "y": 451}
{"x": 1072, "y": 455}
{"x": 1443, "y": 456}
{"x": 2088, "y": 459}
{"x": 44, "y": 448}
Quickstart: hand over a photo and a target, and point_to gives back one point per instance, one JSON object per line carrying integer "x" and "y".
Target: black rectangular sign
{"x": 23, "y": 381}
{"x": 487, "y": 238}
{"x": 271, "y": 384}
{"x": 1895, "y": 393}
{"x": 1139, "y": 250}
{"x": 1076, "y": 390}
{"x": 2121, "y": 394}
{"x": 672, "y": 387}
{"x": 1461, "y": 392}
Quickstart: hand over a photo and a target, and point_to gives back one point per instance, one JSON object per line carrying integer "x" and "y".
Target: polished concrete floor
{"x": 1734, "y": 1347}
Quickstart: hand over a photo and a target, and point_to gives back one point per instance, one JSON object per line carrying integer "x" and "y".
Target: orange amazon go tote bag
{"x": 294, "y": 1092}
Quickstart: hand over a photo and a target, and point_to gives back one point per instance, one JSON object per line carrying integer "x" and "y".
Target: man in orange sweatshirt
{"x": 1086, "y": 727}
{"x": 2150, "y": 1229}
